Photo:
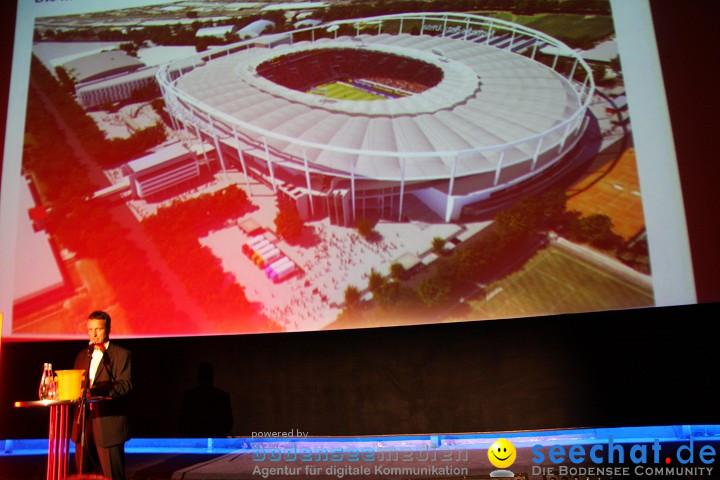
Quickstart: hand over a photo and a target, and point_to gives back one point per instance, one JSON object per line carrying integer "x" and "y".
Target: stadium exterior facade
{"x": 498, "y": 117}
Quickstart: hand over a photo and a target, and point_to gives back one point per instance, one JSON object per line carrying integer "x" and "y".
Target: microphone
{"x": 90, "y": 349}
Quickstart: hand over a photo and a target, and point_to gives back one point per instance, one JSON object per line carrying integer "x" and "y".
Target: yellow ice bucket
{"x": 69, "y": 384}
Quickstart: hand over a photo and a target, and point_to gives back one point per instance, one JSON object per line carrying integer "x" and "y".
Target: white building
{"x": 216, "y": 32}
{"x": 163, "y": 169}
{"x": 101, "y": 65}
{"x": 308, "y": 22}
{"x": 255, "y": 29}
{"x": 114, "y": 89}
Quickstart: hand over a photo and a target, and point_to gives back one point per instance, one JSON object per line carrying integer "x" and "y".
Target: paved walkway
{"x": 329, "y": 257}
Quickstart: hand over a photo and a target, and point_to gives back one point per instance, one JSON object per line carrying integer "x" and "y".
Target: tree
{"x": 397, "y": 271}
{"x": 615, "y": 65}
{"x": 434, "y": 291}
{"x": 231, "y": 37}
{"x": 201, "y": 44}
{"x": 599, "y": 72}
{"x": 438, "y": 245}
{"x": 65, "y": 80}
{"x": 515, "y": 223}
{"x": 391, "y": 296}
{"x": 352, "y": 296}
{"x": 531, "y": 214}
{"x": 596, "y": 230}
{"x": 118, "y": 150}
{"x": 158, "y": 104}
{"x": 288, "y": 222}
{"x": 551, "y": 207}
{"x": 365, "y": 228}
{"x": 375, "y": 281}
{"x": 131, "y": 48}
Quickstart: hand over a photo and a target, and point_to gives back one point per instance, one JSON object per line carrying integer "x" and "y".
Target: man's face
{"x": 96, "y": 331}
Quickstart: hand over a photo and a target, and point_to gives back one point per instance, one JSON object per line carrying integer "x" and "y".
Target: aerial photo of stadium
{"x": 308, "y": 169}
{"x": 469, "y": 111}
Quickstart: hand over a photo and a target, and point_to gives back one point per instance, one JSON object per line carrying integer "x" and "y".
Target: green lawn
{"x": 343, "y": 91}
{"x": 555, "y": 282}
{"x": 568, "y": 28}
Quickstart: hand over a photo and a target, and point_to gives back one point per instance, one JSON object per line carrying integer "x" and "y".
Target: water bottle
{"x": 52, "y": 384}
{"x": 47, "y": 390}
{"x": 42, "y": 391}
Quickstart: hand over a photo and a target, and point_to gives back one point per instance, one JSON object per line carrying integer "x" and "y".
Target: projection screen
{"x": 220, "y": 167}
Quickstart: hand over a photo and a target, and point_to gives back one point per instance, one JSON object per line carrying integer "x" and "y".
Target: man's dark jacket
{"x": 112, "y": 379}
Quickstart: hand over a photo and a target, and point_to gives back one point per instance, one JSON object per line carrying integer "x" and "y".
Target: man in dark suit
{"x": 107, "y": 374}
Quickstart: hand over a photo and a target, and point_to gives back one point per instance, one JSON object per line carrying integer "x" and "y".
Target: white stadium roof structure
{"x": 496, "y": 117}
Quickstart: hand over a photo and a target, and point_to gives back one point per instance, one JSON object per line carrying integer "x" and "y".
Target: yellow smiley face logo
{"x": 502, "y": 453}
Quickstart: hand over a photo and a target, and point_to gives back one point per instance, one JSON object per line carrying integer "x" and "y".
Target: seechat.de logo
{"x": 621, "y": 460}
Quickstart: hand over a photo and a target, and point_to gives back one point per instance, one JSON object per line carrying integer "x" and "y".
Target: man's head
{"x": 98, "y": 325}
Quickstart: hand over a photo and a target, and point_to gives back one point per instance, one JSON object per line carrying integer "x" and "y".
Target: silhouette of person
{"x": 205, "y": 410}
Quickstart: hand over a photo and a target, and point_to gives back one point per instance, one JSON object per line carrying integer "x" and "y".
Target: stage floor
{"x": 208, "y": 466}
{"x": 306, "y": 460}
{"x": 236, "y": 467}
{"x": 627, "y": 453}
{"x": 154, "y": 466}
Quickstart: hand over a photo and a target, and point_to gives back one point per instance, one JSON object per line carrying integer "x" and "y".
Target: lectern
{"x": 58, "y": 437}
{"x": 58, "y": 433}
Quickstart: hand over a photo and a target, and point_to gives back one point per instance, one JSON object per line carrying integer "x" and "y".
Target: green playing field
{"x": 343, "y": 91}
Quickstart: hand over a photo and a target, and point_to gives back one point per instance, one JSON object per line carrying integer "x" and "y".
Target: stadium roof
{"x": 488, "y": 98}
{"x": 100, "y": 65}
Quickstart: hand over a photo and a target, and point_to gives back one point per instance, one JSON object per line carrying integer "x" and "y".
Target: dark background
{"x": 636, "y": 367}
{"x": 645, "y": 367}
